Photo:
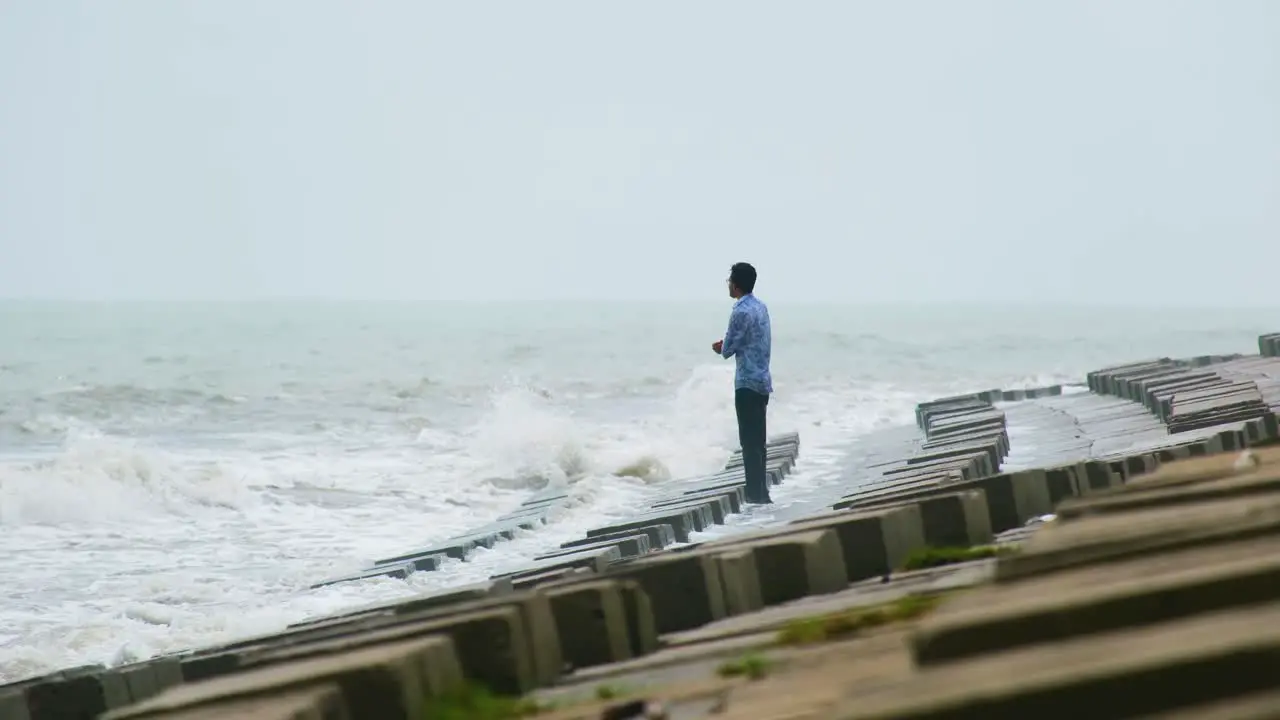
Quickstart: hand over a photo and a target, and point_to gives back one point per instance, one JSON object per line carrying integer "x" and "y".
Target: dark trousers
{"x": 751, "y": 408}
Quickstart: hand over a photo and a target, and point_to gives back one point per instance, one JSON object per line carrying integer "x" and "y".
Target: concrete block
{"x": 958, "y": 450}
{"x": 168, "y": 672}
{"x": 642, "y": 635}
{"x": 641, "y": 626}
{"x": 776, "y": 450}
{"x": 1119, "y": 470}
{"x": 149, "y": 678}
{"x": 420, "y": 563}
{"x": 782, "y": 456}
{"x": 594, "y": 559}
{"x": 988, "y": 396}
{"x": 958, "y": 429}
{"x": 539, "y": 624}
{"x": 967, "y": 400}
{"x": 1099, "y": 599}
{"x": 775, "y": 470}
{"x": 1061, "y": 484}
{"x": 321, "y": 702}
{"x": 472, "y": 623}
{"x": 140, "y": 678}
{"x": 1047, "y": 391}
{"x": 733, "y": 486}
{"x": 1136, "y": 673}
{"x": 772, "y": 451}
{"x": 928, "y": 418}
{"x": 959, "y": 415}
{"x": 13, "y": 704}
{"x": 1139, "y": 465}
{"x": 396, "y": 571}
{"x": 1177, "y": 452}
{"x": 1186, "y": 487}
{"x": 627, "y": 545}
{"x": 1110, "y": 537}
{"x": 1094, "y": 476}
{"x": 798, "y": 565}
{"x": 73, "y": 694}
{"x": 659, "y": 536}
{"x": 873, "y": 543}
{"x": 1103, "y": 381}
{"x": 1012, "y": 498}
{"x": 1269, "y": 345}
{"x": 491, "y": 644}
{"x": 893, "y": 486}
{"x": 1227, "y": 441}
{"x": 1263, "y": 430}
{"x": 1250, "y": 706}
{"x": 704, "y": 485}
{"x": 385, "y": 681}
{"x": 592, "y": 622}
{"x": 458, "y": 548}
{"x": 702, "y": 512}
{"x": 965, "y": 464}
{"x": 684, "y": 589}
{"x": 1202, "y": 469}
{"x": 740, "y": 580}
{"x": 681, "y": 521}
{"x": 997, "y": 438}
{"x": 898, "y": 492}
{"x": 524, "y": 518}
{"x": 416, "y": 604}
{"x": 727, "y": 500}
{"x": 547, "y": 577}
{"x": 958, "y": 519}
{"x": 711, "y": 508}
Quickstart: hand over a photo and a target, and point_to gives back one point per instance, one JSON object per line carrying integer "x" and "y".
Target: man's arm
{"x": 733, "y": 337}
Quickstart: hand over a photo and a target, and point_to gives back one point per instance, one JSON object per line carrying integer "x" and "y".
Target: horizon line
{"x": 637, "y": 301}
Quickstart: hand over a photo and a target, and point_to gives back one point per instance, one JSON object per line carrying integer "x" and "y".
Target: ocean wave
{"x": 268, "y": 522}
{"x": 530, "y": 439}
{"x": 96, "y": 477}
{"x": 103, "y": 403}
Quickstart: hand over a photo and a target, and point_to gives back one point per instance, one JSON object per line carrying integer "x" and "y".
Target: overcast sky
{"x": 1108, "y": 151}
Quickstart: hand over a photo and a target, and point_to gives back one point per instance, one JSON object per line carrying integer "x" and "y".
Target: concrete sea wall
{"x": 1123, "y": 561}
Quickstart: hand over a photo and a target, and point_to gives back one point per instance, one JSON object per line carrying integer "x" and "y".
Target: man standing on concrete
{"x": 748, "y": 340}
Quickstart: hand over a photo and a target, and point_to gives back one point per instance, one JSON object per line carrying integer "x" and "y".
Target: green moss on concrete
{"x": 476, "y": 702}
{"x": 931, "y": 557}
{"x": 752, "y": 667}
{"x": 836, "y": 626}
{"x": 610, "y": 692}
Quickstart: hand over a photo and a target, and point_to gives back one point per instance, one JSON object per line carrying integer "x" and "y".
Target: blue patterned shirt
{"x": 749, "y": 340}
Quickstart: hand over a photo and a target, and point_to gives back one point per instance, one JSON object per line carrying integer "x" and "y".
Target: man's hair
{"x": 743, "y": 276}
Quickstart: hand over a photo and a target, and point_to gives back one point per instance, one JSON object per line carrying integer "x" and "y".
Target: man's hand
{"x": 718, "y": 346}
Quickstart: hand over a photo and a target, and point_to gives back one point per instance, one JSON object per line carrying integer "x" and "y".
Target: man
{"x": 748, "y": 340}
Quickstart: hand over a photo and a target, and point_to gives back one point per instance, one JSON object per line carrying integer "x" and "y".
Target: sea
{"x": 175, "y": 475}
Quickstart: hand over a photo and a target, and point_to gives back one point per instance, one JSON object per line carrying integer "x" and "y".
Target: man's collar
{"x": 741, "y": 300}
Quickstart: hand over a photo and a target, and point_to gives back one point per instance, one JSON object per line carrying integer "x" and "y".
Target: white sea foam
{"x": 122, "y": 549}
